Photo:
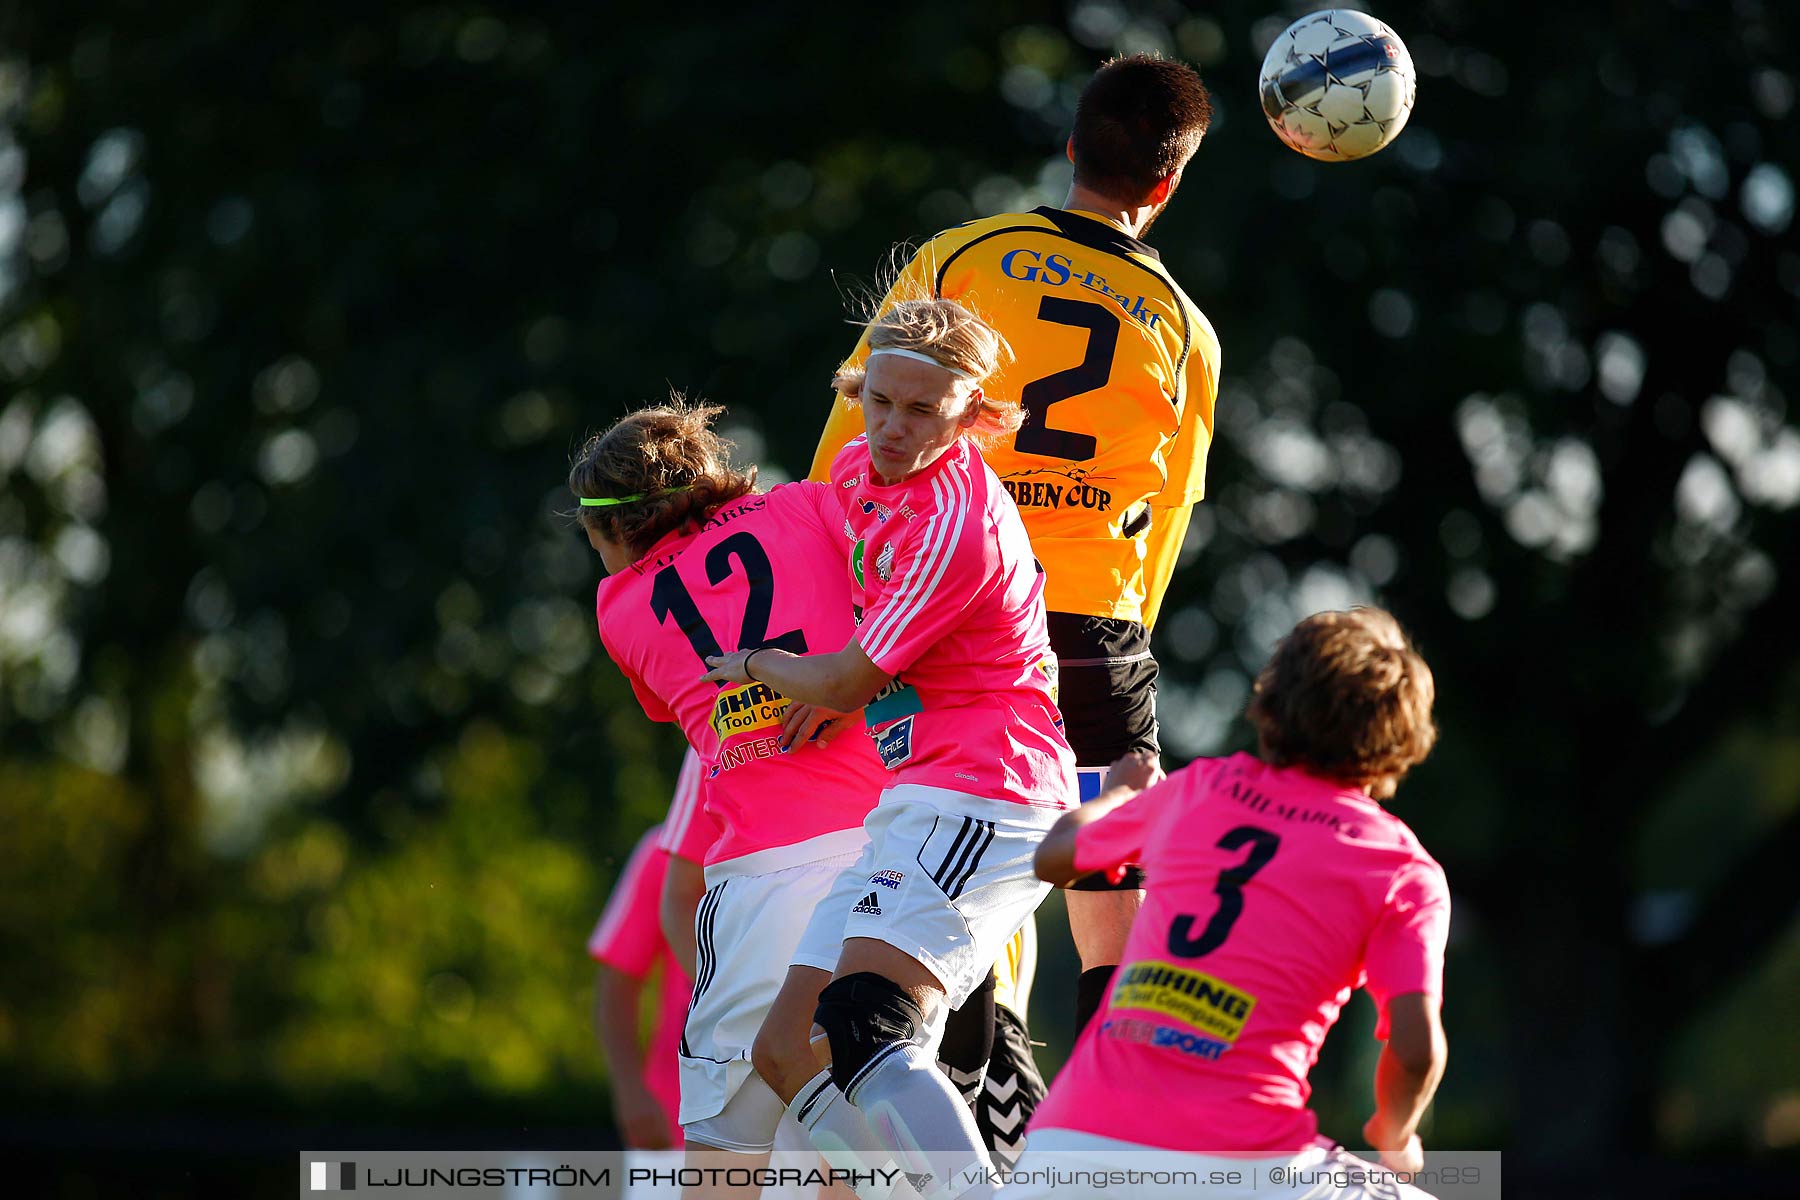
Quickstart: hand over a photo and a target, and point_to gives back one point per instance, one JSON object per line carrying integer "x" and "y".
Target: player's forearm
{"x": 616, "y": 1023}
{"x": 835, "y": 681}
{"x": 1404, "y": 1085}
{"x": 1054, "y": 861}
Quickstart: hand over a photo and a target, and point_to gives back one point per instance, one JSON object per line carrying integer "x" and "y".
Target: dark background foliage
{"x": 312, "y": 773}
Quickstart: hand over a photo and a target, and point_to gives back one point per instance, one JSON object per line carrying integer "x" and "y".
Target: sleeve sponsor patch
{"x": 896, "y": 699}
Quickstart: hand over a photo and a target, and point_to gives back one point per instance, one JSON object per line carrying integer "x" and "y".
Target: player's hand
{"x": 1407, "y": 1157}
{"x": 642, "y": 1123}
{"x": 728, "y": 668}
{"x": 1135, "y": 771}
{"x": 810, "y": 723}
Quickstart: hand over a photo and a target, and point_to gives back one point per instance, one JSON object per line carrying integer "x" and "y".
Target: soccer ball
{"x": 1337, "y": 85}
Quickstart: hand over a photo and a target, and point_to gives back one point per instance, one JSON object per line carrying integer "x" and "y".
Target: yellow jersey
{"x": 1117, "y": 372}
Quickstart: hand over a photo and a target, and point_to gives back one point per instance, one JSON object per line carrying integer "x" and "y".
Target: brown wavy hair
{"x": 651, "y": 453}
{"x": 956, "y": 338}
{"x": 1346, "y": 696}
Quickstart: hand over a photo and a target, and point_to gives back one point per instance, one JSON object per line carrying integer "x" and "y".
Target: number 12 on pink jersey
{"x": 669, "y": 596}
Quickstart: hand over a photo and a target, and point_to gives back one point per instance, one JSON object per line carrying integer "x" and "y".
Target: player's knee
{"x": 865, "y": 1017}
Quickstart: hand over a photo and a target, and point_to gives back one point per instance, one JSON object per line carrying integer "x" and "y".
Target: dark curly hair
{"x": 1346, "y": 696}
{"x": 652, "y": 453}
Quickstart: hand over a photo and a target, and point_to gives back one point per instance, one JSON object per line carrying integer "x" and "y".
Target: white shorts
{"x": 946, "y": 878}
{"x": 745, "y": 931}
{"x": 1065, "y": 1164}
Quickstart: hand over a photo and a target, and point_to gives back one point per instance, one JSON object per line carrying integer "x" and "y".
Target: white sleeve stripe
{"x": 951, "y": 492}
{"x": 955, "y": 499}
{"x": 934, "y": 526}
{"x": 891, "y": 621}
{"x": 618, "y": 904}
{"x": 684, "y": 804}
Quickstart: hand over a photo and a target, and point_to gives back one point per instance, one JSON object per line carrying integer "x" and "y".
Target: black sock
{"x": 969, "y": 1040}
{"x": 1090, "y": 994}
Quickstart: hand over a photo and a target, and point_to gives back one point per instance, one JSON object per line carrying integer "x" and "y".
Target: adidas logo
{"x": 870, "y": 903}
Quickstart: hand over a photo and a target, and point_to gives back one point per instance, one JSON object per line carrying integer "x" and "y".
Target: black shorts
{"x": 1106, "y": 690}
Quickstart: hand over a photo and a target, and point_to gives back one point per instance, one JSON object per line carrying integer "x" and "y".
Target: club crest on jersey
{"x": 880, "y": 511}
{"x": 888, "y": 879}
{"x": 894, "y": 744}
{"x": 884, "y": 563}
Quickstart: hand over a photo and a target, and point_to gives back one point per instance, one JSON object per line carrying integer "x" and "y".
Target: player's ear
{"x": 1164, "y": 188}
{"x": 1070, "y": 149}
{"x": 973, "y": 413}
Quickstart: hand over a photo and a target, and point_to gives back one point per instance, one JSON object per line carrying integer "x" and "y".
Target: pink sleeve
{"x": 652, "y": 704}
{"x": 939, "y": 571}
{"x": 1120, "y": 836}
{"x": 1406, "y": 951}
{"x": 823, "y": 498}
{"x": 629, "y": 934}
{"x": 844, "y": 464}
{"x": 689, "y": 829}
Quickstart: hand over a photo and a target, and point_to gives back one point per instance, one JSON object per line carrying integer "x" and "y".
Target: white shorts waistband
{"x": 780, "y": 858}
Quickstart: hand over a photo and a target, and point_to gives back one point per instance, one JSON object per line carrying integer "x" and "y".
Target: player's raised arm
{"x": 1055, "y": 859}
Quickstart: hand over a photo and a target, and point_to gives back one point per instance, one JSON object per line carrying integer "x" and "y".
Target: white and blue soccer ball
{"x": 1337, "y": 85}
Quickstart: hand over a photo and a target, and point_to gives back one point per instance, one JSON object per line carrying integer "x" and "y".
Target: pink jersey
{"x": 629, "y": 938}
{"x": 950, "y": 602}
{"x": 1273, "y": 894}
{"x": 689, "y": 830}
{"x": 764, "y": 570}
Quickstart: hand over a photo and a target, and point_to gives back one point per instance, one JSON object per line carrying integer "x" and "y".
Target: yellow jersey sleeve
{"x": 1173, "y": 509}
{"x": 1186, "y": 458}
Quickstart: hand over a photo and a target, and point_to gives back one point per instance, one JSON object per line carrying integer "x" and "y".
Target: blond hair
{"x": 669, "y": 457}
{"x": 957, "y": 340}
{"x": 1346, "y": 696}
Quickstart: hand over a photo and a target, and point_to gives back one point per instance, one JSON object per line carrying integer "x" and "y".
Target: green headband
{"x": 607, "y": 501}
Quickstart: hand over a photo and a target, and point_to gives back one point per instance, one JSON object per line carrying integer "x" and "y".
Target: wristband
{"x": 747, "y": 658}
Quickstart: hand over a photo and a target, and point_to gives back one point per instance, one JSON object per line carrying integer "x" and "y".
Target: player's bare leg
{"x": 1099, "y": 923}
{"x": 881, "y": 1013}
{"x": 783, "y": 1051}
{"x": 793, "y": 1058}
